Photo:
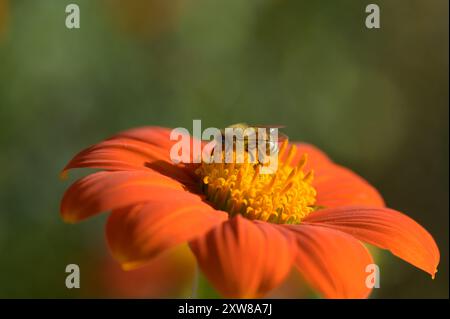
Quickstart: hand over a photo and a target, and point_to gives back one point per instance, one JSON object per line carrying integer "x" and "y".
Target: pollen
{"x": 284, "y": 197}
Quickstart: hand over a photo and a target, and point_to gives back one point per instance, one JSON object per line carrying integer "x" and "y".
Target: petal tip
{"x": 433, "y": 274}
{"x": 64, "y": 175}
{"x": 68, "y": 219}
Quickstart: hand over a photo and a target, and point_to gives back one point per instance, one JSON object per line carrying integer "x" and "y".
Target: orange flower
{"x": 246, "y": 230}
{"x": 168, "y": 275}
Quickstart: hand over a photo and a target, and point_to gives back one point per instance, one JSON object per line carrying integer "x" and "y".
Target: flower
{"x": 170, "y": 274}
{"x": 245, "y": 229}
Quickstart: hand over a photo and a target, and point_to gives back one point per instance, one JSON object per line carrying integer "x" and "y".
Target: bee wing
{"x": 282, "y": 137}
{"x": 239, "y": 125}
{"x": 270, "y": 126}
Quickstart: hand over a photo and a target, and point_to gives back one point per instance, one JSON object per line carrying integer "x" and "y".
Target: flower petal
{"x": 332, "y": 262}
{"x": 136, "y": 149}
{"x": 168, "y": 275}
{"x": 244, "y": 259}
{"x": 154, "y": 135}
{"x": 316, "y": 157}
{"x": 336, "y": 185}
{"x": 385, "y": 228}
{"x": 118, "y": 154}
{"x": 139, "y": 233}
{"x": 103, "y": 191}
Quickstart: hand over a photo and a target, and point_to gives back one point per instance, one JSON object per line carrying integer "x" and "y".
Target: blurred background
{"x": 374, "y": 100}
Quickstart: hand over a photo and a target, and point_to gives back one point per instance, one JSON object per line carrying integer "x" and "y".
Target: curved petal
{"x": 244, "y": 259}
{"x": 338, "y": 186}
{"x": 332, "y": 262}
{"x": 136, "y": 149}
{"x": 154, "y": 135}
{"x": 103, "y": 191}
{"x": 118, "y": 154}
{"x": 167, "y": 275}
{"x": 125, "y": 154}
{"x": 316, "y": 157}
{"x": 139, "y": 233}
{"x": 385, "y": 228}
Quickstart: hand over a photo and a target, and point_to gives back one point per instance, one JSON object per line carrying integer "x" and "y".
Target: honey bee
{"x": 252, "y": 140}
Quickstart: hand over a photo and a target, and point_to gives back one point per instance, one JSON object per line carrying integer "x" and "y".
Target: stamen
{"x": 302, "y": 162}
{"x": 291, "y": 154}
{"x": 309, "y": 177}
{"x": 285, "y": 197}
{"x": 282, "y": 149}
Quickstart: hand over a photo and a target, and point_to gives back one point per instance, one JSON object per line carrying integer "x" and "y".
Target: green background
{"x": 374, "y": 100}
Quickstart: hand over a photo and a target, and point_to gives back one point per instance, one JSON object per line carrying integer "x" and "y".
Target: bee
{"x": 252, "y": 140}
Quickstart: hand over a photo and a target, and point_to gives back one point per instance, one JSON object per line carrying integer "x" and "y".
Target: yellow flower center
{"x": 285, "y": 197}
